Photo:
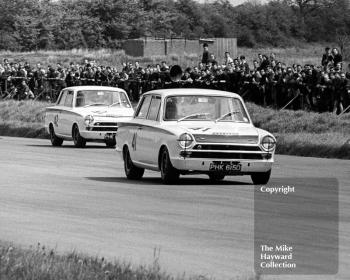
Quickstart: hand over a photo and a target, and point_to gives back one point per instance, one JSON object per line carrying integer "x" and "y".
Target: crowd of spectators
{"x": 267, "y": 82}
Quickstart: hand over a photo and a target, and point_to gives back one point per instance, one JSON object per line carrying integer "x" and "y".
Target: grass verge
{"x": 306, "y": 134}
{"x": 22, "y": 119}
{"x": 40, "y": 263}
{"x": 298, "y": 132}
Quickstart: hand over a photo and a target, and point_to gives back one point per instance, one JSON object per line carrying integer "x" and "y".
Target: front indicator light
{"x": 185, "y": 154}
{"x": 267, "y": 156}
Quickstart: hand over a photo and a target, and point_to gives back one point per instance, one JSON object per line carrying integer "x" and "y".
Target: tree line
{"x": 65, "y": 24}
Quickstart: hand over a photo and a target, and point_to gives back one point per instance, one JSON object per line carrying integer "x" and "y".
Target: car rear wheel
{"x": 55, "y": 141}
{"x": 169, "y": 174}
{"x": 132, "y": 172}
{"x": 216, "y": 177}
{"x": 261, "y": 178}
{"x": 78, "y": 140}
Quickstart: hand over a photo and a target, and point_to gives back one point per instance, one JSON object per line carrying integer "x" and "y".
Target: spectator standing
{"x": 337, "y": 57}
{"x": 256, "y": 65}
{"x": 61, "y": 76}
{"x": 164, "y": 67}
{"x": 23, "y": 92}
{"x": 272, "y": 57}
{"x": 212, "y": 59}
{"x": 264, "y": 63}
{"x": 228, "y": 59}
{"x": 206, "y": 54}
{"x": 327, "y": 58}
{"x": 244, "y": 64}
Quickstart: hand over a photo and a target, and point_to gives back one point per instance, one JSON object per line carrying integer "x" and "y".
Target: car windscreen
{"x": 101, "y": 98}
{"x": 204, "y": 108}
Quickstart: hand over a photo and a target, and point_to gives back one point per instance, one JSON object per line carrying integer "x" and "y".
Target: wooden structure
{"x": 161, "y": 47}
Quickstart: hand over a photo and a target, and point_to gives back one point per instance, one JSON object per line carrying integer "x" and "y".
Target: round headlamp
{"x": 185, "y": 140}
{"x": 89, "y": 120}
{"x": 268, "y": 143}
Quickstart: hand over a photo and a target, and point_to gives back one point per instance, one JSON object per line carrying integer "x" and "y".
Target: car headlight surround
{"x": 89, "y": 119}
{"x": 268, "y": 143}
{"x": 186, "y": 140}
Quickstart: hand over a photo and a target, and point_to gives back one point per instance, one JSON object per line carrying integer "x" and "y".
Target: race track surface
{"x": 79, "y": 199}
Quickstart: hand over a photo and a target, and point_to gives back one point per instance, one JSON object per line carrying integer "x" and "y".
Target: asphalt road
{"x": 79, "y": 199}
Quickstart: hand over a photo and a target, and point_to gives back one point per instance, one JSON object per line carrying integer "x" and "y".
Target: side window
{"x": 62, "y": 99}
{"x": 153, "y": 113}
{"x": 69, "y": 99}
{"x": 142, "y": 111}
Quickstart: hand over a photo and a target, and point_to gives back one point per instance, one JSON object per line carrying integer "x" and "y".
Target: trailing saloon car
{"x": 194, "y": 131}
{"x": 87, "y": 113}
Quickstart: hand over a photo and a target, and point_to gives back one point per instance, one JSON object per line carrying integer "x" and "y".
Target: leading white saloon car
{"x": 87, "y": 113}
{"x": 186, "y": 131}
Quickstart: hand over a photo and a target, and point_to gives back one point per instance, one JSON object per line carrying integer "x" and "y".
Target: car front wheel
{"x": 132, "y": 172}
{"x": 78, "y": 140}
{"x": 55, "y": 141}
{"x": 261, "y": 178}
{"x": 170, "y": 175}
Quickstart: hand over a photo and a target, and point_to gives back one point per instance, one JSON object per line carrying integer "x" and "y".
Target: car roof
{"x": 192, "y": 91}
{"x": 76, "y": 88}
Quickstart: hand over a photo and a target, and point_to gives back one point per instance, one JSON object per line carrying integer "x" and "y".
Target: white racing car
{"x": 186, "y": 131}
{"x": 87, "y": 113}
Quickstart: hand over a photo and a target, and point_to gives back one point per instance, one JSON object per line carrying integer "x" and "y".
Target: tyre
{"x": 132, "y": 172}
{"x": 55, "y": 141}
{"x": 111, "y": 143}
{"x": 216, "y": 177}
{"x": 169, "y": 174}
{"x": 261, "y": 178}
{"x": 79, "y": 141}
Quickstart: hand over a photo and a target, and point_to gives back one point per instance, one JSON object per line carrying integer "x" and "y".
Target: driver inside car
{"x": 171, "y": 110}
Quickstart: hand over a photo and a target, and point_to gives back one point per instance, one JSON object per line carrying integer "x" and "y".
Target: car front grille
{"x": 104, "y": 126}
{"x": 230, "y": 147}
{"x": 232, "y": 139}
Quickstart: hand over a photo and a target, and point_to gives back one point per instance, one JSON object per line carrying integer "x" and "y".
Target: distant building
{"x": 154, "y": 47}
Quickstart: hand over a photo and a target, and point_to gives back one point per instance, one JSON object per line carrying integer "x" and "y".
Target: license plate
{"x": 110, "y": 136}
{"x": 225, "y": 166}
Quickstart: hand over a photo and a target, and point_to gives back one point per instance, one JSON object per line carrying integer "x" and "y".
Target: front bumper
{"x": 202, "y": 165}
{"x": 98, "y": 135}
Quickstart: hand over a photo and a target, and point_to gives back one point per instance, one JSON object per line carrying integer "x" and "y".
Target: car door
{"x": 137, "y": 149}
{"x": 57, "y": 117}
{"x": 149, "y": 135}
{"x": 67, "y": 117}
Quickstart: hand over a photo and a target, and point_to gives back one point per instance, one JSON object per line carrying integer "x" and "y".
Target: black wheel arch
{"x": 162, "y": 148}
{"x": 125, "y": 148}
{"x": 74, "y": 125}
